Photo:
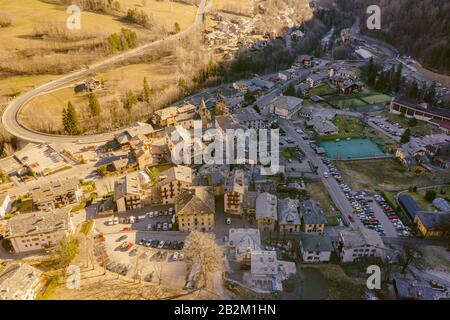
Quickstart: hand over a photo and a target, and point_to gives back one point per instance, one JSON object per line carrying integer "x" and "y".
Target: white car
{"x": 175, "y": 256}
{"x": 161, "y": 244}
{"x": 228, "y": 221}
{"x": 116, "y": 220}
{"x": 150, "y": 214}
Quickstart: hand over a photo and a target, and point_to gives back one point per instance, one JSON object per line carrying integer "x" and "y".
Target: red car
{"x": 352, "y": 218}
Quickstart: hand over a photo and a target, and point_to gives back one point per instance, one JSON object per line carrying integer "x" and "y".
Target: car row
{"x": 392, "y": 216}
{"x": 110, "y": 265}
{"x": 162, "y": 244}
{"x": 397, "y": 132}
{"x": 358, "y": 200}
{"x": 159, "y": 226}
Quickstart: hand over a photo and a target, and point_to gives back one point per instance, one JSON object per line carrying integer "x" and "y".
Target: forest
{"x": 419, "y": 28}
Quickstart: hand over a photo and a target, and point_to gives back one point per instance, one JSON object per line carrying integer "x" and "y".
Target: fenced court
{"x": 351, "y": 149}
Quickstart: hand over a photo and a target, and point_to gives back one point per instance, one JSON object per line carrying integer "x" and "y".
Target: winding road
{"x": 10, "y": 117}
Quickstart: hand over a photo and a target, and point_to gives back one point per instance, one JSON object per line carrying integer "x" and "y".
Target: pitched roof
{"x": 37, "y": 222}
{"x": 315, "y": 242}
{"x": 361, "y": 236}
{"x": 312, "y": 213}
{"x": 245, "y": 238}
{"x": 431, "y": 220}
{"x": 409, "y": 205}
{"x": 287, "y": 102}
{"x": 195, "y": 200}
{"x": 177, "y": 173}
{"x": 288, "y": 211}
{"x": 266, "y": 206}
{"x": 17, "y": 280}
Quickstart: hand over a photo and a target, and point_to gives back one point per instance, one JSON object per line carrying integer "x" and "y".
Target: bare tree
{"x": 202, "y": 249}
{"x": 409, "y": 256}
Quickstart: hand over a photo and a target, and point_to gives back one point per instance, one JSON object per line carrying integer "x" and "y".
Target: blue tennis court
{"x": 351, "y": 149}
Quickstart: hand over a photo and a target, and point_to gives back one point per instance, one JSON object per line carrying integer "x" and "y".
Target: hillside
{"x": 420, "y": 28}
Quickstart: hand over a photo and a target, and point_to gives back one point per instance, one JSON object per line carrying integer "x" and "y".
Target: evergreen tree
{"x": 371, "y": 73}
{"x": 70, "y": 120}
{"x": 94, "y": 105}
{"x": 147, "y": 91}
{"x": 290, "y": 91}
{"x": 405, "y": 136}
{"x": 430, "y": 93}
{"x": 413, "y": 91}
{"x": 130, "y": 100}
{"x": 398, "y": 78}
{"x": 176, "y": 27}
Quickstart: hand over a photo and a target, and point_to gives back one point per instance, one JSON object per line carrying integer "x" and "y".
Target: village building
{"x": 57, "y": 194}
{"x": 421, "y": 111}
{"x": 288, "y": 215}
{"x": 428, "y": 152}
{"x": 285, "y": 107}
{"x": 431, "y": 224}
{"x": 315, "y": 79}
{"x": 249, "y": 118}
{"x": 322, "y": 126}
{"x": 266, "y": 211}
{"x": 195, "y": 209}
{"x": 234, "y": 191}
{"x": 358, "y": 243}
{"x": 127, "y": 193}
{"x": 38, "y": 230}
{"x": 21, "y": 282}
{"x": 312, "y": 216}
{"x": 315, "y": 248}
{"x": 304, "y": 60}
{"x": 172, "y": 181}
{"x": 249, "y": 203}
{"x": 242, "y": 242}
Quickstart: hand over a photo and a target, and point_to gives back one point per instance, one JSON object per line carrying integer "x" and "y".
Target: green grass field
{"x": 342, "y": 103}
{"x": 377, "y": 98}
{"x": 322, "y": 90}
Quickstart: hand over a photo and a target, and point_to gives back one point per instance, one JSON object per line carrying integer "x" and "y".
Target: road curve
{"x": 10, "y": 116}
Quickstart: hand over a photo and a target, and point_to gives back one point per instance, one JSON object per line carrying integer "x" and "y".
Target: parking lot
{"x": 371, "y": 210}
{"x": 388, "y": 127}
{"x": 127, "y": 254}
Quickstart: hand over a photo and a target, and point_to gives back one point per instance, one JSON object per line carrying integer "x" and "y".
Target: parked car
{"x": 165, "y": 226}
{"x": 175, "y": 256}
{"x": 161, "y": 244}
{"x": 228, "y": 221}
{"x": 121, "y": 238}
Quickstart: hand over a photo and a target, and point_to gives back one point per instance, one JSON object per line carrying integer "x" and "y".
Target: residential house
{"x": 350, "y": 86}
{"x": 425, "y": 151}
{"x": 406, "y": 288}
{"x": 432, "y": 224}
{"x": 242, "y": 242}
{"x": 288, "y": 215}
{"x": 127, "y": 193}
{"x": 322, "y": 126}
{"x": 195, "y": 209}
{"x": 57, "y": 194}
{"x": 305, "y": 60}
{"x": 21, "y": 282}
{"x": 266, "y": 211}
{"x": 312, "y": 216}
{"x": 315, "y": 79}
{"x": 264, "y": 271}
{"x": 315, "y": 248}
{"x": 234, "y": 191}
{"x": 38, "y": 230}
{"x": 285, "y": 107}
{"x": 249, "y": 118}
{"x": 172, "y": 181}
{"x": 267, "y": 272}
{"x": 165, "y": 117}
{"x": 358, "y": 243}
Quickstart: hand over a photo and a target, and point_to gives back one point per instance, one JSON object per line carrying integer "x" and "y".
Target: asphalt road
{"x": 334, "y": 189}
{"x": 10, "y": 117}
